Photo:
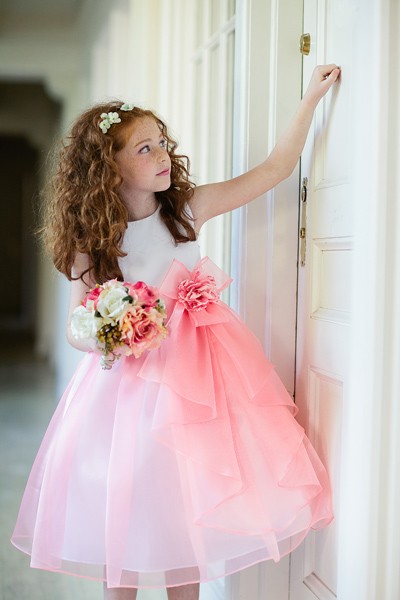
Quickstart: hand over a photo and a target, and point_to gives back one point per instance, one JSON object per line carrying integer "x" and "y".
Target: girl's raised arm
{"x": 217, "y": 198}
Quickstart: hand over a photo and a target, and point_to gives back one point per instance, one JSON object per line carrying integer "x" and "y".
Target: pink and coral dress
{"x": 183, "y": 465}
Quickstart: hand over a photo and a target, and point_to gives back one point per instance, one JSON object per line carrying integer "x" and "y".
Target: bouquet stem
{"x": 107, "y": 360}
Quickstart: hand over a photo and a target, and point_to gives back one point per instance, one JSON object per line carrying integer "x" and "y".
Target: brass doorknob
{"x": 305, "y": 44}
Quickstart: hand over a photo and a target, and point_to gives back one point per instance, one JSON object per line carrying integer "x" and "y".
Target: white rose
{"x": 111, "y": 304}
{"x": 84, "y": 324}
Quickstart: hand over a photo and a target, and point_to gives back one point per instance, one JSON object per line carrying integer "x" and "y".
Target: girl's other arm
{"x": 78, "y": 291}
{"x": 217, "y": 198}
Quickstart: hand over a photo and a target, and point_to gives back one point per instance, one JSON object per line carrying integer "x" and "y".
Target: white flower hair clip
{"x": 108, "y": 119}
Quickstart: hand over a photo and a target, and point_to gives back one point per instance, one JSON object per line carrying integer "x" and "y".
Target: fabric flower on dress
{"x": 198, "y": 292}
{"x": 108, "y": 119}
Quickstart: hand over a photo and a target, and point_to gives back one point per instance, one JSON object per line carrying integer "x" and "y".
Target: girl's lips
{"x": 165, "y": 172}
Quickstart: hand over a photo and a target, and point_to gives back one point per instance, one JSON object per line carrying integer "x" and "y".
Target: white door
{"x": 324, "y": 284}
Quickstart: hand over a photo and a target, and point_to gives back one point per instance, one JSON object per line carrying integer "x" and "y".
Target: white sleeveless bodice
{"x": 151, "y": 249}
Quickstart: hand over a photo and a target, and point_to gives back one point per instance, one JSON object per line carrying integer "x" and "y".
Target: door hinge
{"x": 303, "y": 223}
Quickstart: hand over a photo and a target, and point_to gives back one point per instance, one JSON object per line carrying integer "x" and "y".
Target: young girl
{"x": 185, "y": 464}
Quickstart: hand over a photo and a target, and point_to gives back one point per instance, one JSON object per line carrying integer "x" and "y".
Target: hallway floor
{"x": 27, "y": 402}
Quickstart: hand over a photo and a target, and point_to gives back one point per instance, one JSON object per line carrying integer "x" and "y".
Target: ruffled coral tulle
{"x": 184, "y": 465}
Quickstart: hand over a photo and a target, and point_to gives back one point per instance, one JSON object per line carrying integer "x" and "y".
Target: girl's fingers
{"x": 327, "y": 70}
{"x": 334, "y": 74}
{"x": 322, "y": 79}
{"x": 332, "y": 77}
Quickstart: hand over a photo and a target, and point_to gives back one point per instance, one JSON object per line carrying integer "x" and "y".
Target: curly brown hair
{"x": 83, "y": 210}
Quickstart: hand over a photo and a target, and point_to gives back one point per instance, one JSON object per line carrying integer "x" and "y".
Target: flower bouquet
{"x": 121, "y": 319}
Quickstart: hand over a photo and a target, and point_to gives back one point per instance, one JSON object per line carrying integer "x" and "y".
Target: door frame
{"x": 264, "y": 253}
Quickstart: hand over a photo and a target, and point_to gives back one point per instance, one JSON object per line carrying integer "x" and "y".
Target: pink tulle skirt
{"x": 184, "y": 465}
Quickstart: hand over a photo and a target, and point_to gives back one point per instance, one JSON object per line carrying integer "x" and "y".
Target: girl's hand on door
{"x": 323, "y": 77}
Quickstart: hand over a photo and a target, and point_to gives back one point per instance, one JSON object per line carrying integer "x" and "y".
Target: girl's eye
{"x": 163, "y": 143}
{"x": 144, "y": 150}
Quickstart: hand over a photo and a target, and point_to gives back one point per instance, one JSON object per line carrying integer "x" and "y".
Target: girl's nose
{"x": 162, "y": 155}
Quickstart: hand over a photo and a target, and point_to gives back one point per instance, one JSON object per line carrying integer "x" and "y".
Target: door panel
{"x": 324, "y": 286}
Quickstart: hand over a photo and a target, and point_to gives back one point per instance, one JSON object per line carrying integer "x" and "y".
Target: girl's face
{"x": 144, "y": 162}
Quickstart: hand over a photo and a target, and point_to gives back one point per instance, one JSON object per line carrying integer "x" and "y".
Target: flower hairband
{"x": 110, "y": 118}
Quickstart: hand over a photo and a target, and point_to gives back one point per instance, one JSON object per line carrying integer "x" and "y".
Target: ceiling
{"x": 20, "y": 11}
{"x": 52, "y": 7}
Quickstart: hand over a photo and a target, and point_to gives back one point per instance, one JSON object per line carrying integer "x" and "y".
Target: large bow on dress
{"x": 205, "y": 338}
{"x": 209, "y": 362}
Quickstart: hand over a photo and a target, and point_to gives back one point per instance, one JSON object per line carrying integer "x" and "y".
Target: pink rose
{"x": 93, "y": 295}
{"x": 145, "y": 294}
{"x": 197, "y": 293}
{"x": 142, "y": 330}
